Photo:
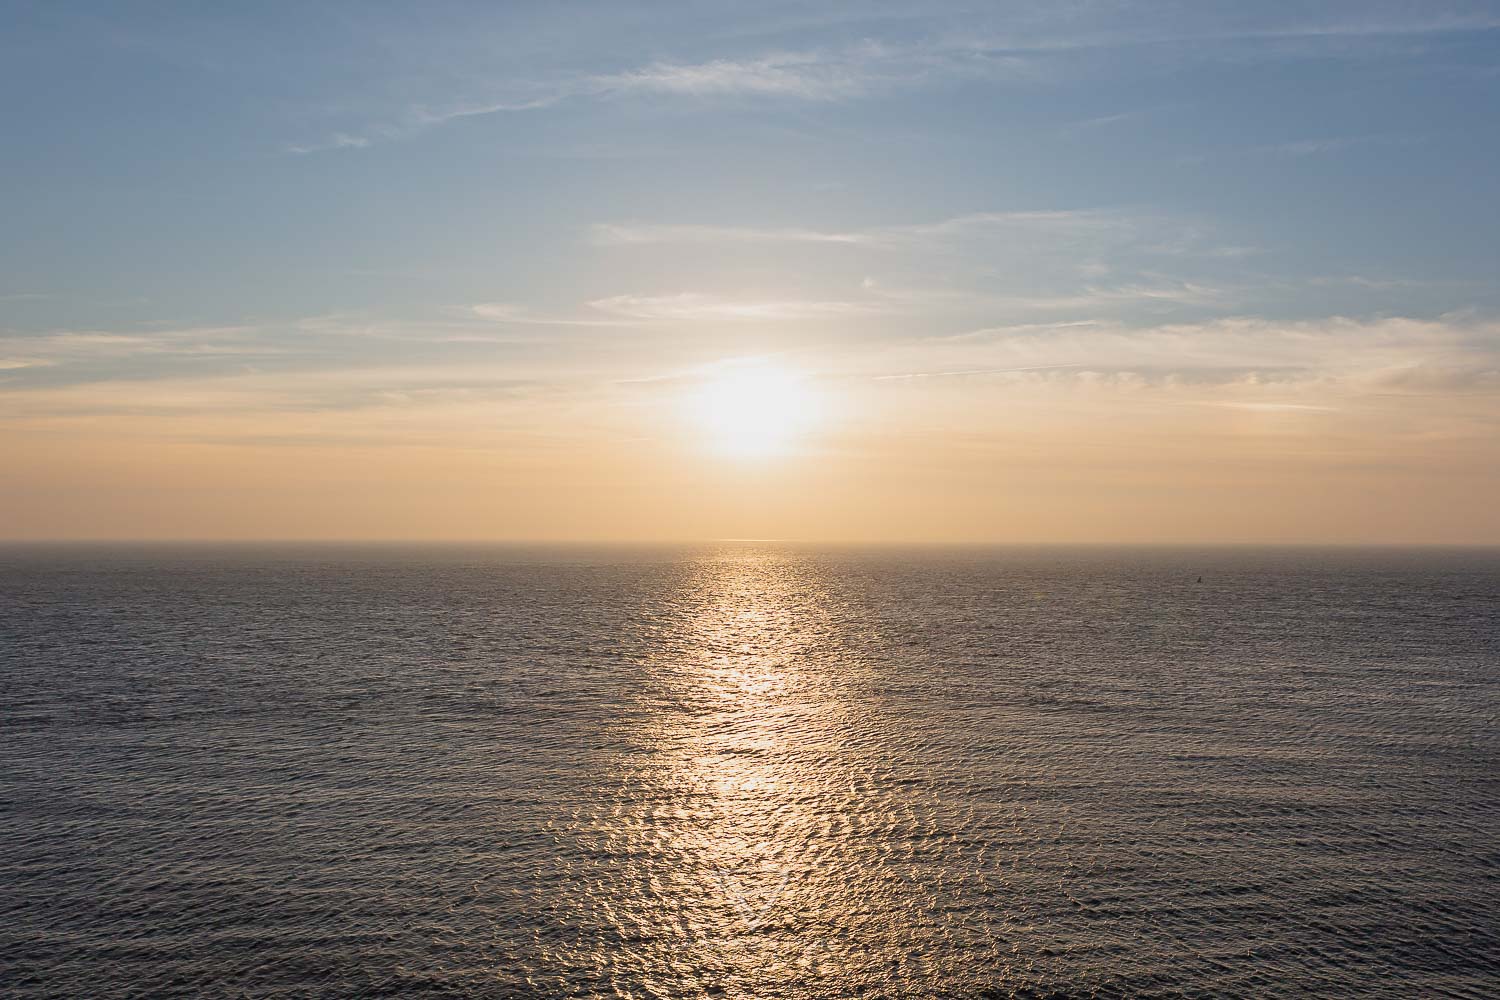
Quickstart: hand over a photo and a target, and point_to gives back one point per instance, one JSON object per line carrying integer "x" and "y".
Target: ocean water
{"x": 748, "y": 770}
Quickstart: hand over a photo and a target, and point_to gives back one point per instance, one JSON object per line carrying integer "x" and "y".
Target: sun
{"x": 753, "y": 410}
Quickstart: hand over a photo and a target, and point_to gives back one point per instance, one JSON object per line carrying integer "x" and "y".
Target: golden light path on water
{"x": 768, "y": 838}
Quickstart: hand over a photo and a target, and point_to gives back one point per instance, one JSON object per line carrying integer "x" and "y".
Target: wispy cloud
{"x": 279, "y": 394}
{"x": 418, "y": 118}
{"x": 1447, "y": 372}
{"x": 1103, "y": 121}
{"x": 1064, "y": 220}
{"x": 1327, "y": 33}
{"x": 697, "y": 306}
{"x": 1014, "y": 265}
{"x": 1079, "y": 297}
{"x": 832, "y": 73}
{"x": 1270, "y": 407}
{"x": 1094, "y": 297}
{"x": 626, "y": 234}
{"x": 1386, "y": 353}
{"x": 509, "y": 312}
{"x": 339, "y": 140}
{"x": 1072, "y": 221}
{"x": 804, "y": 75}
{"x": 1434, "y": 21}
{"x": 64, "y": 345}
{"x": 932, "y": 53}
{"x": 814, "y": 75}
{"x": 967, "y": 372}
{"x": 1299, "y": 147}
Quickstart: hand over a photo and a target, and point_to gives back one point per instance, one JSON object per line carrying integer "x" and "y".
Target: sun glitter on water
{"x": 754, "y": 410}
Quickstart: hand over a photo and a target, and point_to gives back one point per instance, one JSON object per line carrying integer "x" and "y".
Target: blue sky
{"x": 543, "y": 199}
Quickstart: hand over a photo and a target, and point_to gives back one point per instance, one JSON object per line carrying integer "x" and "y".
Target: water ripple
{"x": 749, "y": 770}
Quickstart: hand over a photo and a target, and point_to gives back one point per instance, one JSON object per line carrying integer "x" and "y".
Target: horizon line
{"x": 831, "y": 542}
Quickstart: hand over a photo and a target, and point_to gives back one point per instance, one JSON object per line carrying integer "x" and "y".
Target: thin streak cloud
{"x": 1061, "y": 221}
{"x": 695, "y": 306}
{"x": 838, "y": 73}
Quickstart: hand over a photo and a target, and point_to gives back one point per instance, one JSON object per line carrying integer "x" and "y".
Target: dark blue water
{"x": 748, "y": 770}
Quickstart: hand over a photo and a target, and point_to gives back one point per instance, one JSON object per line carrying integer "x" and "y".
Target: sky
{"x": 1004, "y": 272}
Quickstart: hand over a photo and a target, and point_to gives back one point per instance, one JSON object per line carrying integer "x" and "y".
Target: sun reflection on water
{"x": 757, "y": 699}
{"x": 751, "y": 861}
{"x": 762, "y": 829}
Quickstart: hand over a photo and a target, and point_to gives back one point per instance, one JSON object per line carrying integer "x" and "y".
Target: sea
{"x": 748, "y": 769}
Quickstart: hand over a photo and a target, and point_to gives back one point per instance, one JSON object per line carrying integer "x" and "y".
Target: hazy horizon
{"x": 670, "y": 542}
{"x": 664, "y": 544}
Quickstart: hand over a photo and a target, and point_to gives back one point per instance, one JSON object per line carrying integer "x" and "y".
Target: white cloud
{"x": 509, "y": 312}
{"x": 1266, "y": 407}
{"x": 1385, "y": 357}
{"x": 696, "y": 306}
{"x": 71, "y": 346}
{"x": 969, "y": 372}
{"x": 622, "y": 234}
{"x": 1013, "y": 265}
{"x": 805, "y": 75}
{"x": 1299, "y": 148}
{"x": 1095, "y": 297}
{"x": 1060, "y": 222}
{"x": 932, "y": 54}
{"x": 828, "y": 74}
{"x": 339, "y": 140}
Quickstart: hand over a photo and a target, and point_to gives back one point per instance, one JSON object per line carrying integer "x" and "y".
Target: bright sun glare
{"x": 753, "y": 410}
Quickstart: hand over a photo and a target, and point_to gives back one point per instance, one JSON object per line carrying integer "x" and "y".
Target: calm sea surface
{"x": 748, "y": 770}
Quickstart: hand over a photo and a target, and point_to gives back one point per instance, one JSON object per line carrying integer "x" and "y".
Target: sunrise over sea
{"x": 779, "y": 501}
